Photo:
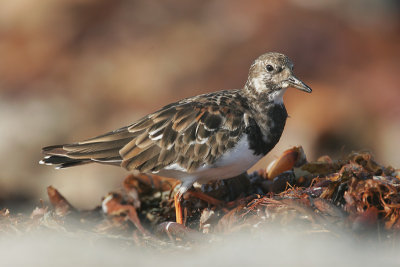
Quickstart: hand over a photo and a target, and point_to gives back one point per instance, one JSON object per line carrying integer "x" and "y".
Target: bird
{"x": 198, "y": 139}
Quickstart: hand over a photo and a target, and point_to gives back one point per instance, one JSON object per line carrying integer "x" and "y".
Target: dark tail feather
{"x": 56, "y": 155}
{"x": 69, "y": 155}
{"x": 63, "y": 162}
{"x": 102, "y": 149}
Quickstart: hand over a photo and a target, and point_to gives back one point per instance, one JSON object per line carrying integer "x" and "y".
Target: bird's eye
{"x": 269, "y": 68}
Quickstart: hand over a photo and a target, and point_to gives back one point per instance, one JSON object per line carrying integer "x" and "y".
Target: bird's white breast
{"x": 234, "y": 162}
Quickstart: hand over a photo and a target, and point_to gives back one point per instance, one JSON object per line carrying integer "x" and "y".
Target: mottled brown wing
{"x": 189, "y": 133}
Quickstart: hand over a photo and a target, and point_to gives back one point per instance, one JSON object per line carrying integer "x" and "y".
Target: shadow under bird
{"x": 198, "y": 139}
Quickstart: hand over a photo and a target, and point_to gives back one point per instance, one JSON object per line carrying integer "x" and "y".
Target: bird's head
{"x": 272, "y": 74}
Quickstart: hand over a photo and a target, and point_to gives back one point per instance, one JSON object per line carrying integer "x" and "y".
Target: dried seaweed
{"x": 354, "y": 194}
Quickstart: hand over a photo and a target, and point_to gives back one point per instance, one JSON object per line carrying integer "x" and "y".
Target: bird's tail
{"x": 102, "y": 149}
{"x": 56, "y": 155}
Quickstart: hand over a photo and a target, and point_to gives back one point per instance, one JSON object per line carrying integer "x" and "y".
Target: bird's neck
{"x": 260, "y": 96}
{"x": 267, "y": 107}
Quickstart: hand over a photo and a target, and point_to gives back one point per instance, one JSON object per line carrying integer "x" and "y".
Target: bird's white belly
{"x": 234, "y": 162}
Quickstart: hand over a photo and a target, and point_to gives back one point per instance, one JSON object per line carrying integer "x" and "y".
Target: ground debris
{"x": 354, "y": 194}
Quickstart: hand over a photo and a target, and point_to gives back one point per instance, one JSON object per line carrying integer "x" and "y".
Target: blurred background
{"x": 73, "y": 69}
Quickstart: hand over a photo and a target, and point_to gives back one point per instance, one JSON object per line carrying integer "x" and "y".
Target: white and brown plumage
{"x": 198, "y": 139}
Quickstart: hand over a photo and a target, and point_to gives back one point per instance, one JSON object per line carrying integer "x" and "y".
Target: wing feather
{"x": 189, "y": 133}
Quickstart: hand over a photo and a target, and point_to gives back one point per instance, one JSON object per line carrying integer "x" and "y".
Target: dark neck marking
{"x": 265, "y": 135}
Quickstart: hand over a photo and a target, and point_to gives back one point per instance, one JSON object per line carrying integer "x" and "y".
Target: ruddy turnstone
{"x": 198, "y": 139}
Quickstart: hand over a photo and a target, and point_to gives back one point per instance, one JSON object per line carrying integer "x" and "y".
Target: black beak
{"x": 293, "y": 81}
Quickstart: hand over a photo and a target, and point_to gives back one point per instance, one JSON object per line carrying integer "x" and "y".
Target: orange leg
{"x": 225, "y": 206}
{"x": 243, "y": 200}
{"x": 178, "y": 202}
{"x": 180, "y": 217}
{"x": 206, "y": 198}
{"x": 186, "y": 184}
{"x": 178, "y": 207}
